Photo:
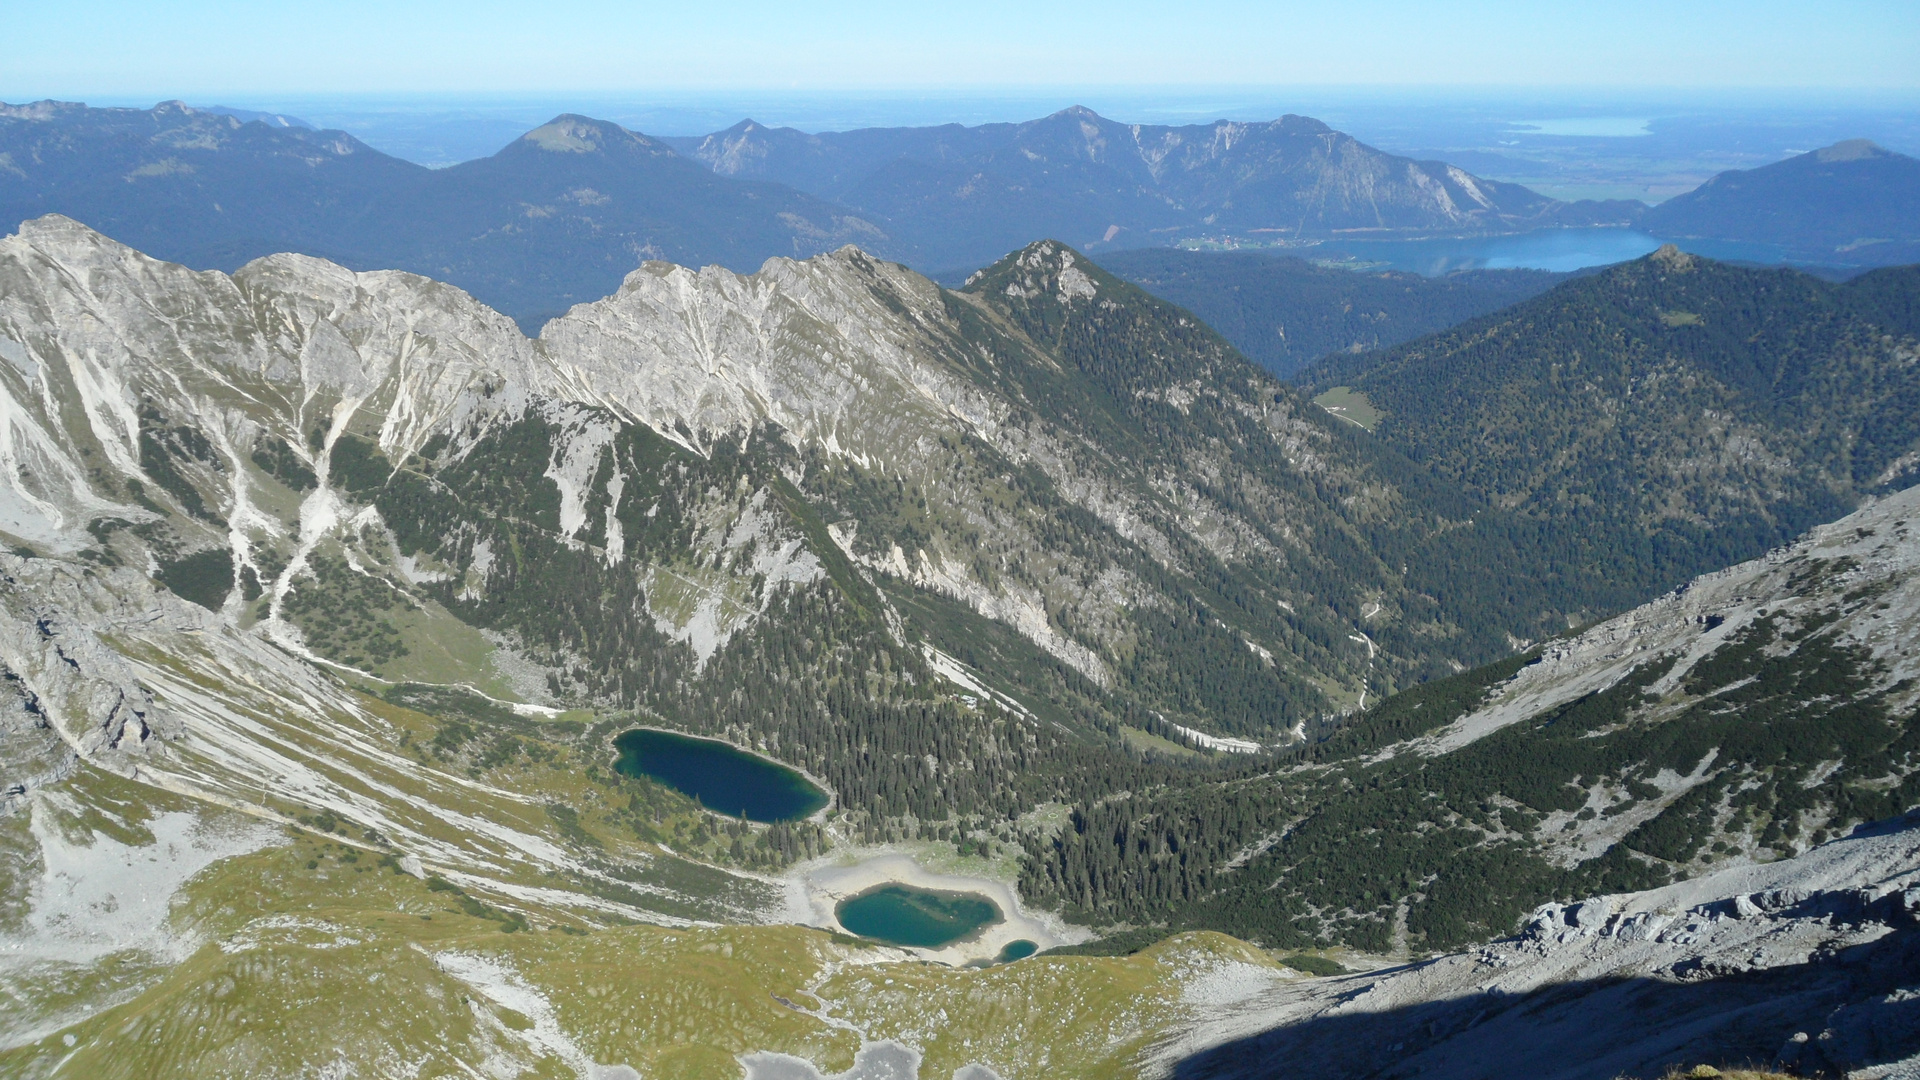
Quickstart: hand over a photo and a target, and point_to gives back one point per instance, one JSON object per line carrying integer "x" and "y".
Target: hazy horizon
{"x": 1568, "y": 142}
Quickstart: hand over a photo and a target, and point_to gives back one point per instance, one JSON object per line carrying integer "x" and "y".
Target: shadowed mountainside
{"x": 1852, "y": 203}
{"x": 1284, "y": 312}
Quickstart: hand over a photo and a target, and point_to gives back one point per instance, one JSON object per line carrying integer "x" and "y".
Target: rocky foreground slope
{"x": 1810, "y": 964}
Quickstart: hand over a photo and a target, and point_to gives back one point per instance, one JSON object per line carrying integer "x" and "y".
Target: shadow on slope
{"x": 1846, "y": 1003}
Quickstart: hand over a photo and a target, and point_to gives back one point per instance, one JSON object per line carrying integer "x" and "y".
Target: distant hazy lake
{"x": 923, "y": 918}
{"x": 1559, "y": 250}
{"x": 724, "y": 778}
{"x": 1549, "y": 249}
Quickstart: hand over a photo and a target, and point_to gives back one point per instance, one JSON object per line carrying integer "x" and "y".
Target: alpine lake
{"x": 729, "y": 780}
{"x": 725, "y": 778}
{"x": 922, "y": 918}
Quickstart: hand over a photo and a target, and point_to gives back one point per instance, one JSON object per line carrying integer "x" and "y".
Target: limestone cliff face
{"x": 234, "y": 436}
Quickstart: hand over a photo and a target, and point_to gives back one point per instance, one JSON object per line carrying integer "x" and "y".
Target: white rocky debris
{"x": 1217, "y": 742}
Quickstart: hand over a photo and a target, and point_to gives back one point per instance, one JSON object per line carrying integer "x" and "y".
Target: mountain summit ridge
{"x": 1851, "y": 203}
{"x": 963, "y": 194}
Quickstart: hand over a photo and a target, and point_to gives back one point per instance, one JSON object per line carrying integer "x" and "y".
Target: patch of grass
{"x": 1124, "y": 943}
{"x": 1350, "y": 405}
{"x": 1148, "y": 741}
{"x": 1313, "y": 965}
{"x": 439, "y": 648}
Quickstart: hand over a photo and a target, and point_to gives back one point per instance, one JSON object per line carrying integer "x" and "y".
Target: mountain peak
{"x": 1293, "y": 123}
{"x": 1078, "y": 112}
{"x": 571, "y": 133}
{"x": 1671, "y": 257}
{"x": 64, "y": 234}
{"x": 567, "y": 133}
{"x": 44, "y": 109}
{"x": 1042, "y": 268}
{"x": 1851, "y": 150}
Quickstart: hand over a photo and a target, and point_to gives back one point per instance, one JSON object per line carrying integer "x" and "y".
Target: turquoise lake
{"x": 725, "y": 778}
{"x": 922, "y": 918}
{"x": 1016, "y": 950}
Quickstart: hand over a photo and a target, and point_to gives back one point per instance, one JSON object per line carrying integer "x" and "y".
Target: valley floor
{"x": 268, "y": 952}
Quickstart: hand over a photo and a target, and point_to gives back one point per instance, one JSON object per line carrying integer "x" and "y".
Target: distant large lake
{"x": 1552, "y": 249}
{"x": 724, "y": 778}
{"x": 923, "y": 918}
{"x": 1559, "y": 250}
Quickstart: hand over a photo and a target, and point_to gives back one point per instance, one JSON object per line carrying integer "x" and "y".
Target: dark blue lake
{"x": 724, "y": 778}
{"x": 923, "y": 918}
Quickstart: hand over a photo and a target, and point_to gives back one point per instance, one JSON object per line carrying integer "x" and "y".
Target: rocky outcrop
{"x": 66, "y": 677}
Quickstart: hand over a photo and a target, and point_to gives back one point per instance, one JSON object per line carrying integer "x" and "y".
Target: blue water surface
{"x": 924, "y": 918}
{"x": 723, "y": 777}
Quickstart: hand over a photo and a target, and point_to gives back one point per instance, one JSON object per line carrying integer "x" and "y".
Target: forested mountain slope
{"x": 1665, "y": 416}
{"x": 1758, "y": 711}
{"x": 1284, "y": 312}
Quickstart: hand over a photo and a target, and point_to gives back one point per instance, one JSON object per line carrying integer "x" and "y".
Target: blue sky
{"x": 112, "y": 48}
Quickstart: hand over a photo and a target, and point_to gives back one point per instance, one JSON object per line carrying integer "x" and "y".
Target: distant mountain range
{"x": 961, "y": 196}
{"x": 562, "y": 214}
{"x": 555, "y": 218}
{"x": 1850, "y": 203}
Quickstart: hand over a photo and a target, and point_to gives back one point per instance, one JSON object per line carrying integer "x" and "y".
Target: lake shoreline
{"x": 816, "y": 890}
